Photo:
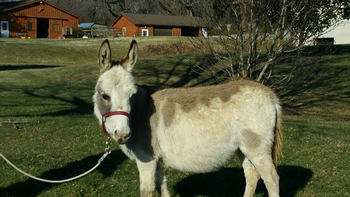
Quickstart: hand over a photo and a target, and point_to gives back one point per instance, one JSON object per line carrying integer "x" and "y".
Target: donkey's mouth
{"x": 121, "y": 142}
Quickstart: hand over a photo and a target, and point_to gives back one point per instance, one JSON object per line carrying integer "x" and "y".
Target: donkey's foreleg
{"x": 147, "y": 173}
{"x": 251, "y": 175}
{"x": 161, "y": 185}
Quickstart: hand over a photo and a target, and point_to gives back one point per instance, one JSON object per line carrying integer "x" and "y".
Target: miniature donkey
{"x": 195, "y": 129}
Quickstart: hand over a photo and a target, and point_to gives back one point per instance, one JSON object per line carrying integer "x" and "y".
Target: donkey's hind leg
{"x": 251, "y": 175}
{"x": 264, "y": 165}
{"x": 161, "y": 185}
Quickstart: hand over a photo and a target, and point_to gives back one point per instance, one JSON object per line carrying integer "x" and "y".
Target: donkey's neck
{"x": 142, "y": 109}
{"x": 138, "y": 106}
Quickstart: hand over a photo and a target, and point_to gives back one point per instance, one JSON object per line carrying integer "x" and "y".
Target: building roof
{"x": 84, "y": 25}
{"x": 162, "y": 20}
{"x": 90, "y": 25}
{"x": 7, "y": 6}
{"x": 13, "y": 4}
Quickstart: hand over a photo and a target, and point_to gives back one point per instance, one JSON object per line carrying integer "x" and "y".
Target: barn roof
{"x": 7, "y": 6}
{"x": 162, "y": 20}
{"x": 13, "y": 4}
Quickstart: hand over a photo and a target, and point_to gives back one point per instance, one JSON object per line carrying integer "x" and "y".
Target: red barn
{"x": 158, "y": 25}
{"x": 34, "y": 19}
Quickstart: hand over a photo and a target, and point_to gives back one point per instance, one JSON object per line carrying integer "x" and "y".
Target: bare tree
{"x": 106, "y": 11}
{"x": 98, "y": 11}
{"x": 184, "y": 7}
{"x": 250, "y": 36}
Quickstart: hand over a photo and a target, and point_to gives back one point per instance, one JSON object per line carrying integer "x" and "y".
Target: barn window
{"x": 30, "y": 26}
{"x": 124, "y": 31}
{"x": 55, "y": 27}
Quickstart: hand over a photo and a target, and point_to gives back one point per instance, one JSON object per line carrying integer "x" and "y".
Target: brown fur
{"x": 168, "y": 112}
{"x": 104, "y": 106}
{"x": 188, "y": 99}
{"x": 251, "y": 139}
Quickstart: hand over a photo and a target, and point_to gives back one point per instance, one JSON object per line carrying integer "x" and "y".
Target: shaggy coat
{"x": 190, "y": 129}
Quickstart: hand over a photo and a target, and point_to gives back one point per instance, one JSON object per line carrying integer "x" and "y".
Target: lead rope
{"x": 107, "y": 152}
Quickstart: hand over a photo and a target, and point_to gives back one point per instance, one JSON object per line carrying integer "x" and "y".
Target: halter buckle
{"x": 108, "y": 143}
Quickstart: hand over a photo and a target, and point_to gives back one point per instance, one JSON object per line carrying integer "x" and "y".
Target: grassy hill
{"x": 52, "y": 82}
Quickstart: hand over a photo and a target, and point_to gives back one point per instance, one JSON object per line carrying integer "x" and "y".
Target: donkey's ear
{"x": 104, "y": 57}
{"x": 130, "y": 59}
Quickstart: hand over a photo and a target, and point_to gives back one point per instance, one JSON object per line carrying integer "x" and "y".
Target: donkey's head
{"x": 113, "y": 92}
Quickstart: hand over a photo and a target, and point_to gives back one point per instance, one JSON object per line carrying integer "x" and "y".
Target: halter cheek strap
{"x": 104, "y": 116}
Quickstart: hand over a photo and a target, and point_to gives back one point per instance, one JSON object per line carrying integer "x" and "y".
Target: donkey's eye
{"x": 105, "y": 97}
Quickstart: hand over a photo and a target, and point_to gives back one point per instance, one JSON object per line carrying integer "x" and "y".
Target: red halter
{"x": 104, "y": 116}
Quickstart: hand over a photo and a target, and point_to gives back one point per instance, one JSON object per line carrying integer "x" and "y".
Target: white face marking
{"x": 113, "y": 92}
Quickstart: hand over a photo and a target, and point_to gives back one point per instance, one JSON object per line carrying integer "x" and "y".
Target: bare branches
{"x": 249, "y": 37}
{"x": 184, "y": 7}
{"x": 165, "y": 8}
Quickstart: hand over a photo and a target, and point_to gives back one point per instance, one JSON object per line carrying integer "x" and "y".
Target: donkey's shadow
{"x": 231, "y": 182}
{"x": 32, "y": 187}
{"x": 225, "y": 182}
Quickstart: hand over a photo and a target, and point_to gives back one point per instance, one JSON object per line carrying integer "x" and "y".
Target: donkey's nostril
{"x": 122, "y": 138}
{"x": 127, "y": 136}
{"x": 117, "y": 135}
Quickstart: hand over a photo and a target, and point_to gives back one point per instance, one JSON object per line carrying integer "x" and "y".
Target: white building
{"x": 340, "y": 33}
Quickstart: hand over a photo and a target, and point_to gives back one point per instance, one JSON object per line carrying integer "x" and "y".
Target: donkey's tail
{"x": 278, "y": 142}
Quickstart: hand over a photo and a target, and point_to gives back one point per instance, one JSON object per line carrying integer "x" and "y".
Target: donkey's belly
{"x": 199, "y": 149}
{"x": 198, "y": 159}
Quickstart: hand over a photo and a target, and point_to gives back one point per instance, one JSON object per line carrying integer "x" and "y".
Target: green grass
{"x": 52, "y": 81}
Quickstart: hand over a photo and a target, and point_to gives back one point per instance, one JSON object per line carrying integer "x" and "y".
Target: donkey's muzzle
{"x": 122, "y": 138}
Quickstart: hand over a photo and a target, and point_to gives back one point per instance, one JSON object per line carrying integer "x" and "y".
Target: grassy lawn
{"x": 52, "y": 81}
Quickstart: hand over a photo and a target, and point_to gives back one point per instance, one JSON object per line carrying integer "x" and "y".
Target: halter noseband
{"x": 104, "y": 116}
